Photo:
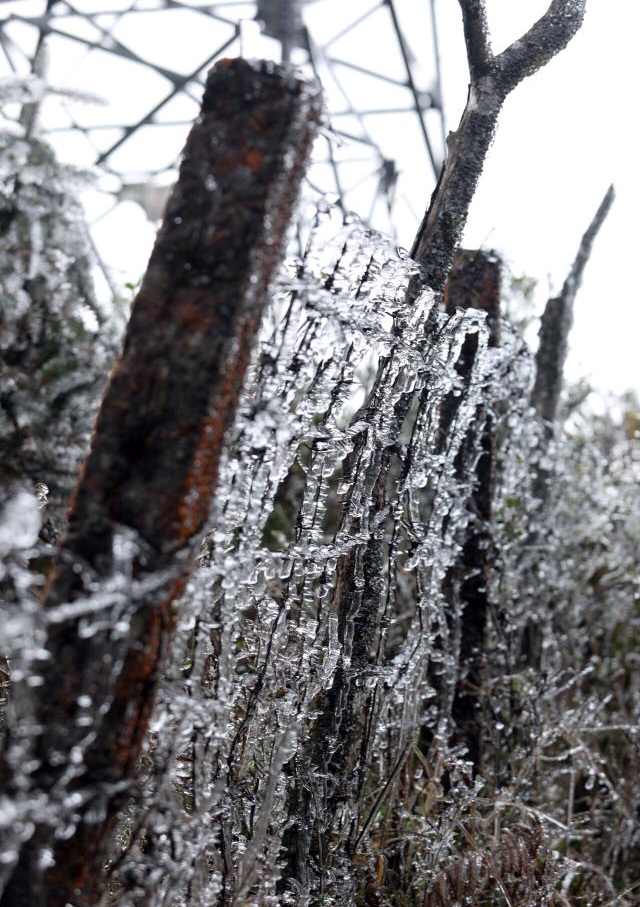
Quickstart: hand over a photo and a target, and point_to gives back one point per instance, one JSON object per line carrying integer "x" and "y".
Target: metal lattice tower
{"x": 145, "y": 62}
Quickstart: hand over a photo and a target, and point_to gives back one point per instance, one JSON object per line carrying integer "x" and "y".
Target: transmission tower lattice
{"x": 125, "y": 80}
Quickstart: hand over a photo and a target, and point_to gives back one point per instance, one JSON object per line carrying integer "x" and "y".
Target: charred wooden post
{"x": 475, "y": 282}
{"x": 146, "y": 488}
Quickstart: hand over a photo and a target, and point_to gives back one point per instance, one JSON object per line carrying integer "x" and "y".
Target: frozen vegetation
{"x": 307, "y": 746}
{"x": 405, "y": 671}
{"x": 55, "y": 346}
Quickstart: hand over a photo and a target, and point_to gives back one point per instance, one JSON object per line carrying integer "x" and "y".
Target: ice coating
{"x": 263, "y": 643}
{"x": 306, "y": 733}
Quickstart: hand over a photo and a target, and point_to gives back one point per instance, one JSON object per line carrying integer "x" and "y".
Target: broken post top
{"x": 253, "y": 113}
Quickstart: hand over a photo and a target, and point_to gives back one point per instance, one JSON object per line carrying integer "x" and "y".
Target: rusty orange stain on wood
{"x": 192, "y": 316}
{"x": 203, "y": 473}
{"x": 253, "y": 159}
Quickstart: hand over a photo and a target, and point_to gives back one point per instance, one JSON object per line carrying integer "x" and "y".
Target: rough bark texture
{"x": 492, "y": 78}
{"x": 146, "y": 487}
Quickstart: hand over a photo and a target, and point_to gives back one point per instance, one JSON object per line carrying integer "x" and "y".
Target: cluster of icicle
{"x": 311, "y": 635}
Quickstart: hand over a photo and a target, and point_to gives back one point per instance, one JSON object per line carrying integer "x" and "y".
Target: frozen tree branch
{"x": 146, "y": 488}
{"x": 556, "y": 323}
{"x": 574, "y": 280}
{"x": 492, "y": 78}
{"x": 476, "y": 36}
{"x": 546, "y": 38}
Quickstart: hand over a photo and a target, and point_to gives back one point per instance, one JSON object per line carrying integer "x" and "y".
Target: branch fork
{"x": 492, "y": 78}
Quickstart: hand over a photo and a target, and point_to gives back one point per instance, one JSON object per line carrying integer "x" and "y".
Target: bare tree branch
{"x": 492, "y": 78}
{"x": 574, "y": 278}
{"x": 476, "y": 36}
{"x": 556, "y": 324}
{"x": 441, "y": 229}
{"x": 550, "y": 34}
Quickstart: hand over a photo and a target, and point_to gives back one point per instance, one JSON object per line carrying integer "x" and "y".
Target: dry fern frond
{"x": 518, "y": 865}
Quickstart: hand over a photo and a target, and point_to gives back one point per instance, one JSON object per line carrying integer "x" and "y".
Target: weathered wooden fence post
{"x": 475, "y": 283}
{"x": 146, "y": 488}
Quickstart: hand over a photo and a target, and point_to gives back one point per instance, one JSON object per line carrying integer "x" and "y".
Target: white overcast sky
{"x": 565, "y": 134}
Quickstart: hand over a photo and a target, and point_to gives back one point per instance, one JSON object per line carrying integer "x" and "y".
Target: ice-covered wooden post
{"x": 474, "y": 283}
{"x": 146, "y": 488}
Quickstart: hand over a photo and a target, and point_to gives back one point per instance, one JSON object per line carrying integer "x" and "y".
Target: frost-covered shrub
{"x": 565, "y": 695}
{"x": 55, "y": 355}
{"x": 55, "y": 350}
